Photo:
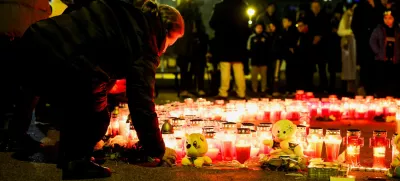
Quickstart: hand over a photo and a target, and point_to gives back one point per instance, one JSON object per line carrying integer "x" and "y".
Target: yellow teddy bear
{"x": 283, "y": 142}
{"x": 196, "y": 148}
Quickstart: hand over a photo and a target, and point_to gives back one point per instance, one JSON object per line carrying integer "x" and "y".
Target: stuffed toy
{"x": 283, "y": 142}
{"x": 196, "y": 148}
{"x": 394, "y": 170}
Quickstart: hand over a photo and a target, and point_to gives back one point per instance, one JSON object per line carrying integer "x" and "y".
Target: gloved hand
{"x": 119, "y": 87}
{"x": 169, "y": 156}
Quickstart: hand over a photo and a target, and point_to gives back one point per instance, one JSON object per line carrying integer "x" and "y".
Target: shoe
{"x": 221, "y": 98}
{"x": 240, "y": 98}
{"x": 276, "y": 94}
{"x": 80, "y": 169}
{"x": 184, "y": 94}
{"x": 201, "y": 93}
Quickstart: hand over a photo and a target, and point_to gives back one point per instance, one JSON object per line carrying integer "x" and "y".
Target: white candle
{"x": 254, "y": 151}
{"x": 212, "y": 153}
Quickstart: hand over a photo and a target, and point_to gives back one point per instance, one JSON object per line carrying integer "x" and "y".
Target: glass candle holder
{"x": 395, "y": 152}
{"x": 178, "y": 121}
{"x": 315, "y": 141}
{"x": 325, "y": 105}
{"x": 264, "y": 133}
{"x": 301, "y": 136}
{"x": 213, "y": 146}
{"x": 196, "y": 126}
{"x": 169, "y": 140}
{"x": 309, "y": 95}
{"x": 332, "y": 141}
{"x": 353, "y": 142}
{"x": 228, "y": 139}
{"x": 243, "y": 145}
{"x": 379, "y": 142}
{"x": 114, "y": 125}
{"x": 313, "y": 106}
{"x": 207, "y": 129}
{"x": 299, "y": 95}
{"x": 248, "y": 125}
{"x": 179, "y": 131}
{"x": 180, "y": 149}
{"x": 371, "y": 111}
{"x": 335, "y": 110}
{"x": 361, "y": 111}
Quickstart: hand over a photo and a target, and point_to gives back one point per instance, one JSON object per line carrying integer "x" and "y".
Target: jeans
{"x": 226, "y": 75}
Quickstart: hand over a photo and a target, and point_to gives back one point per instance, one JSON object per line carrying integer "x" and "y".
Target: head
{"x": 388, "y": 18}
{"x": 271, "y": 28}
{"x": 196, "y": 145}
{"x": 302, "y": 26}
{"x": 316, "y": 7}
{"x": 271, "y": 8}
{"x": 283, "y": 130}
{"x": 172, "y": 24}
{"x": 286, "y": 22}
{"x": 259, "y": 28}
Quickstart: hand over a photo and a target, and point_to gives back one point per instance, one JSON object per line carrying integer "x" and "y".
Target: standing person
{"x": 200, "y": 48}
{"x": 334, "y": 58}
{"x": 348, "y": 45}
{"x": 304, "y": 70}
{"x": 318, "y": 25}
{"x": 287, "y": 45}
{"x": 257, "y": 44}
{"x": 17, "y": 16}
{"x": 127, "y": 45}
{"x": 385, "y": 44}
{"x": 366, "y": 17}
{"x": 184, "y": 46}
{"x": 268, "y": 16}
{"x": 230, "y": 23}
{"x": 273, "y": 59}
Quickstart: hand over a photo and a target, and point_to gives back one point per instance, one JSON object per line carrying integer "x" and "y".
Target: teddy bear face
{"x": 196, "y": 145}
{"x": 283, "y": 130}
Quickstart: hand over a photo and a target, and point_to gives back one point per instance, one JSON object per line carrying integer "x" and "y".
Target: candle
{"x": 379, "y": 157}
{"x": 354, "y": 142}
{"x": 242, "y": 152}
{"x": 315, "y": 141}
{"x": 212, "y": 153}
{"x": 379, "y": 142}
{"x": 227, "y": 150}
{"x": 254, "y": 151}
{"x": 309, "y": 152}
{"x": 332, "y": 144}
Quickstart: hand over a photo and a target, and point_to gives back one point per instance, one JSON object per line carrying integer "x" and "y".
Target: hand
{"x": 119, "y": 87}
{"x": 169, "y": 156}
{"x": 316, "y": 40}
{"x": 291, "y": 50}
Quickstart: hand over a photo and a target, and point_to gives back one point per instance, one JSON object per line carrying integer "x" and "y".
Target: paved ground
{"x": 11, "y": 169}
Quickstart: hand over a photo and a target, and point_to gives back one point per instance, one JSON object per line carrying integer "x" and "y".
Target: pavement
{"x": 12, "y": 169}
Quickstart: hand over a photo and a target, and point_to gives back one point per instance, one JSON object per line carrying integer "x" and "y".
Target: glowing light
{"x": 251, "y": 11}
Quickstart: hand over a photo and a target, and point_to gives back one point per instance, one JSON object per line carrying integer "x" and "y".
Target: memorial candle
{"x": 332, "y": 141}
{"x": 371, "y": 111}
{"x": 325, "y": 107}
{"x": 228, "y": 140}
{"x": 361, "y": 110}
{"x": 243, "y": 145}
{"x": 264, "y": 133}
{"x": 315, "y": 141}
{"x": 353, "y": 142}
{"x": 213, "y": 146}
{"x": 379, "y": 142}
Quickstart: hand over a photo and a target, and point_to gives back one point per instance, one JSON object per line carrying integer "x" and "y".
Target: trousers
{"x": 226, "y": 75}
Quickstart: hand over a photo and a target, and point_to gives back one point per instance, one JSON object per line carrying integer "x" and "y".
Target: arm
{"x": 249, "y": 42}
{"x": 140, "y": 88}
{"x": 342, "y": 31}
{"x": 374, "y": 41}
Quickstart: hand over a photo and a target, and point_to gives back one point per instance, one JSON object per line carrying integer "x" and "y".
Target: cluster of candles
{"x": 232, "y": 135}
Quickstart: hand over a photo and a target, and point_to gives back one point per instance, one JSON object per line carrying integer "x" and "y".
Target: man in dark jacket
{"x": 230, "y": 23}
{"x": 269, "y": 16}
{"x": 366, "y": 17}
{"x": 73, "y": 58}
{"x": 319, "y": 28}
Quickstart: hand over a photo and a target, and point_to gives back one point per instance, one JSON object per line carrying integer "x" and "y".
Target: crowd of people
{"x": 357, "y": 40}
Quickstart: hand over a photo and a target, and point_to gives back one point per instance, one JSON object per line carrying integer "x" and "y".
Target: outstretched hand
{"x": 169, "y": 156}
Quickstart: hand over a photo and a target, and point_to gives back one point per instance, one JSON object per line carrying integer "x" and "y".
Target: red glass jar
{"x": 325, "y": 104}
{"x": 315, "y": 141}
{"x": 353, "y": 142}
{"x": 309, "y": 95}
{"x": 264, "y": 133}
{"x": 243, "y": 145}
{"x": 379, "y": 142}
{"x": 228, "y": 140}
{"x": 332, "y": 141}
{"x": 214, "y": 146}
{"x": 299, "y": 95}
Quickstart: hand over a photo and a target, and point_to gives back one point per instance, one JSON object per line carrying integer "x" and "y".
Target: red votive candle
{"x": 243, "y": 145}
{"x": 379, "y": 142}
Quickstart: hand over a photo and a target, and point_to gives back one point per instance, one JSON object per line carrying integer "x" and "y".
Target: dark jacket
{"x": 303, "y": 48}
{"x": 378, "y": 43}
{"x": 230, "y": 23}
{"x": 257, "y": 46}
{"x": 102, "y": 41}
{"x": 192, "y": 16}
{"x": 287, "y": 40}
{"x": 265, "y": 19}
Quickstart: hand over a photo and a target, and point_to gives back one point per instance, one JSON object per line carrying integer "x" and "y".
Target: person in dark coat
{"x": 289, "y": 36}
{"x": 74, "y": 58}
{"x": 385, "y": 44}
{"x": 273, "y": 61}
{"x": 334, "y": 51}
{"x": 268, "y": 16}
{"x": 230, "y": 24}
{"x": 257, "y": 46}
{"x": 366, "y": 17}
{"x": 302, "y": 64}
{"x": 184, "y": 47}
{"x": 319, "y": 28}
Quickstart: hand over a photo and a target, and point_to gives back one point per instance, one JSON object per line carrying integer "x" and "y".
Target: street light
{"x": 251, "y": 13}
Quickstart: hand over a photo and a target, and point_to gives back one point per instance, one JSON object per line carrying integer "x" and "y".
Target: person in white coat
{"x": 348, "y": 45}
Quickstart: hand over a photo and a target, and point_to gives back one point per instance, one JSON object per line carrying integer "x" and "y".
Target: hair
{"x": 259, "y": 24}
{"x": 301, "y": 20}
{"x": 171, "y": 19}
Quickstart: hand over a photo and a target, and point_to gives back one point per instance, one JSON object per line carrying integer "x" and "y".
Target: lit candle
{"x": 243, "y": 145}
{"x": 254, "y": 151}
{"x": 379, "y": 142}
{"x": 309, "y": 152}
{"x": 354, "y": 142}
{"x": 315, "y": 141}
{"x": 332, "y": 144}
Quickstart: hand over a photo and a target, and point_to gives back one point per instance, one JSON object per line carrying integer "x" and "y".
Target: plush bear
{"x": 394, "y": 170}
{"x": 283, "y": 141}
{"x": 196, "y": 148}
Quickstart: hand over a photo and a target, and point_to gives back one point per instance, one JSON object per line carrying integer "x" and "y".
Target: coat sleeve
{"x": 374, "y": 41}
{"x": 140, "y": 92}
{"x": 342, "y": 31}
{"x": 356, "y": 22}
